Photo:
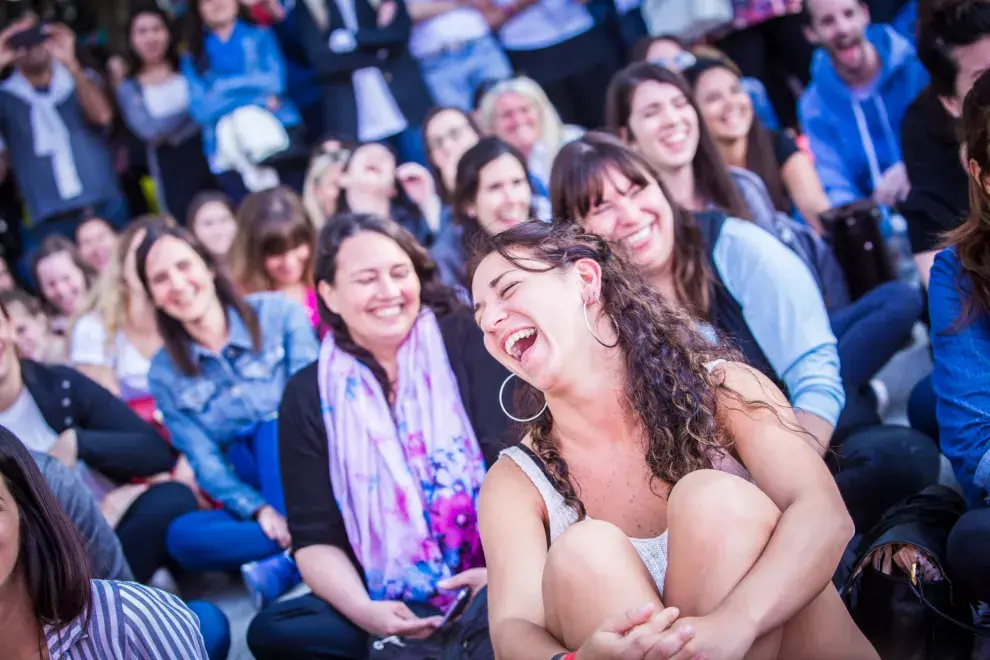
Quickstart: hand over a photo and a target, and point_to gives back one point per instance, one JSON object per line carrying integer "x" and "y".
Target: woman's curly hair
{"x": 669, "y": 387}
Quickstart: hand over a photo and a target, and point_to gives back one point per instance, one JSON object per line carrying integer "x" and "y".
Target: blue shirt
{"x": 246, "y": 70}
{"x": 962, "y": 361}
{"x": 127, "y": 621}
{"x": 236, "y": 388}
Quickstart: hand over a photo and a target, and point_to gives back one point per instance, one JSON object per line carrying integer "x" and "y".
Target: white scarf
{"x": 49, "y": 132}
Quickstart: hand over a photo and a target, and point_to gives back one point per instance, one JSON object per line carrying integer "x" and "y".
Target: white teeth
{"x": 388, "y": 312}
{"x": 639, "y": 236}
{"x": 510, "y": 343}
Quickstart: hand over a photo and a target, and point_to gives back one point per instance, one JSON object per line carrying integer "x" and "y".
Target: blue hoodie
{"x": 855, "y": 140}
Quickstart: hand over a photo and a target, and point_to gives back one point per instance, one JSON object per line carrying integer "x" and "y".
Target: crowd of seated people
{"x": 396, "y": 326}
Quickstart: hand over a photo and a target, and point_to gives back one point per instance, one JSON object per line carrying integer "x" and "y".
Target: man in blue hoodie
{"x": 863, "y": 79}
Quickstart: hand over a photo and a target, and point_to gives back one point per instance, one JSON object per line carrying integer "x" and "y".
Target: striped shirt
{"x": 129, "y": 622}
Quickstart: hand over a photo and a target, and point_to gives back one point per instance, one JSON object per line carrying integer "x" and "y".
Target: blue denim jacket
{"x": 962, "y": 361}
{"x": 249, "y": 69}
{"x": 206, "y": 413}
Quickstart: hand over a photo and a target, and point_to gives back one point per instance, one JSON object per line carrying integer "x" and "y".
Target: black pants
{"x": 143, "y": 528}
{"x": 574, "y": 74}
{"x": 969, "y": 561}
{"x": 773, "y": 51}
{"x": 125, "y": 456}
{"x": 877, "y": 467}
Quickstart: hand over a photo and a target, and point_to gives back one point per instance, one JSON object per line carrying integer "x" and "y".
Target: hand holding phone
{"x": 457, "y": 607}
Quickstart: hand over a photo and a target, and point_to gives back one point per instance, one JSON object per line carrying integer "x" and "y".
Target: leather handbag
{"x": 859, "y": 246}
{"x": 466, "y": 638}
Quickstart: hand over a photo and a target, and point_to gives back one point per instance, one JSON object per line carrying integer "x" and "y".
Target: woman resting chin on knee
{"x": 730, "y": 518}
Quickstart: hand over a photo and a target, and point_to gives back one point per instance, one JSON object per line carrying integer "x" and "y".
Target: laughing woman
{"x": 409, "y": 400}
{"x": 217, "y": 382}
{"x": 601, "y": 538}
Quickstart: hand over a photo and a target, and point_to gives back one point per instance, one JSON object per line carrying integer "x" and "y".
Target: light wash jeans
{"x": 453, "y": 77}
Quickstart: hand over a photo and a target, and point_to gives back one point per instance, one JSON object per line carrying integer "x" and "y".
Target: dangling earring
{"x": 587, "y": 323}
{"x": 501, "y": 391}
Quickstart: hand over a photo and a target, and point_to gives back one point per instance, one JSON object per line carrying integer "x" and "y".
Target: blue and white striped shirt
{"x": 130, "y": 622}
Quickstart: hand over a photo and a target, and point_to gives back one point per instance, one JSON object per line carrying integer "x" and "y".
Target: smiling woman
{"x": 403, "y": 396}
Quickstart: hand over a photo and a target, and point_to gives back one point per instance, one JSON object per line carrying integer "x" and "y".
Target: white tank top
{"x": 653, "y": 552}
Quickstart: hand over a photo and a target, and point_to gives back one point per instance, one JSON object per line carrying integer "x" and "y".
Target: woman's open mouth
{"x": 520, "y": 341}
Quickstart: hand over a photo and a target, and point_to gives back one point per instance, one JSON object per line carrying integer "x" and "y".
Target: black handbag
{"x": 903, "y": 616}
{"x": 858, "y": 245}
{"x": 465, "y": 638}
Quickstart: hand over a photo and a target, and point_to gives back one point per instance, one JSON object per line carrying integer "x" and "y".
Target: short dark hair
{"x": 806, "y": 13}
{"x": 171, "y": 52}
{"x": 51, "y": 556}
{"x": 433, "y": 293}
{"x": 948, "y": 25}
{"x": 174, "y": 335}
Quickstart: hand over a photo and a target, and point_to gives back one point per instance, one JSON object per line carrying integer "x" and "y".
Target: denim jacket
{"x": 962, "y": 360}
{"x": 236, "y": 388}
{"x": 248, "y": 70}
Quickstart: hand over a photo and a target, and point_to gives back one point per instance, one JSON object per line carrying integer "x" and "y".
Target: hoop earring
{"x": 501, "y": 391}
{"x": 587, "y": 324}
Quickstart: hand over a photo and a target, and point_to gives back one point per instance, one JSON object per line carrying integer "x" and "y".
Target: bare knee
{"x": 587, "y": 549}
{"x": 712, "y": 502}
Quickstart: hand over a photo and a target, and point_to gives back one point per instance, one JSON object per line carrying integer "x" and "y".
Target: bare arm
{"x": 95, "y": 103}
{"x": 924, "y": 261}
{"x": 424, "y": 10}
{"x": 327, "y": 570}
{"x": 515, "y": 552}
{"x": 804, "y": 187}
{"x": 820, "y": 430}
{"x": 814, "y": 526}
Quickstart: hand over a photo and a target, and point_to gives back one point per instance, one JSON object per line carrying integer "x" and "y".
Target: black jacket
{"x": 112, "y": 439}
{"x": 385, "y": 48}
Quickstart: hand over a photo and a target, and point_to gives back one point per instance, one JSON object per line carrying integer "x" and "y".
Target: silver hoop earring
{"x": 501, "y": 391}
{"x": 587, "y": 324}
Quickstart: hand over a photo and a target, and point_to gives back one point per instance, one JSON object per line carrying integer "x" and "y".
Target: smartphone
{"x": 29, "y": 38}
{"x": 457, "y": 607}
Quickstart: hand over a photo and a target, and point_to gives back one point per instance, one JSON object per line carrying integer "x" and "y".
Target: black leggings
{"x": 143, "y": 528}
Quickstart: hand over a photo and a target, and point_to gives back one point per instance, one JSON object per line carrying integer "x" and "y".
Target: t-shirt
{"x": 784, "y": 146}
{"x": 939, "y": 198}
{"x": 24, "y": 419}
{"x": 89, "y": 345}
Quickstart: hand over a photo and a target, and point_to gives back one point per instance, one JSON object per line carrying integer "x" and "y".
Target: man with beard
{"x": 54, "y": 116}
{"x": 863, "y": 79}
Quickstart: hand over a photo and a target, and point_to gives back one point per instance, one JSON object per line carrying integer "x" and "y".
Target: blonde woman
{"x": 518, "y": 112}
{"x": 114, "y": 337}
{"x": 321, "y": 190}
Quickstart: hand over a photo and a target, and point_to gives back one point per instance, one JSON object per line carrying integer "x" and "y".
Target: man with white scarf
{"x": 54, "y": 117}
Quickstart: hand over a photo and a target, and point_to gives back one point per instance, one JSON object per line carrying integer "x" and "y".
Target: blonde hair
{"x": 318, "y": 167}
{"x": 108, "y": 297}
{"x": 552, "y": 130}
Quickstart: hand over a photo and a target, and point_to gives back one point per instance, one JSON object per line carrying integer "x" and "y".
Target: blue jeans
{"x": 453, "y": 77}
{"x": 215, "y": 628}
{"x": 218, "y": 541}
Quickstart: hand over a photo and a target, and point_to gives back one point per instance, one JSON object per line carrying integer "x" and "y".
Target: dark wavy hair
{"x": 51, "y": 555}
{"x": 711, "y": 175}
{"x": 577, "y": 182}
{"x": 760, "y": 156}
{"x": 434, "y": 294}
{"x": 669, "y": 387}
{"x": 171, "y": 52}
{"x": 468, "y": 180}
{"x": 174, "y": 335}
{"x": 944, "y": 26}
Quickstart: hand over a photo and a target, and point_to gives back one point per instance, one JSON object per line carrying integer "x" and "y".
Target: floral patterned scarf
{"x": 406, "y": 477}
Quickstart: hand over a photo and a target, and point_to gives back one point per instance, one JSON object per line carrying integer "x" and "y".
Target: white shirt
{"x": 24, "y": 419}
{"x": 546, "y": 23}
{"x": 378, "y": 114}
{"x": 88, "y": 345}
{"x": 454, "y": 27}
{"x": 168, "y": 98}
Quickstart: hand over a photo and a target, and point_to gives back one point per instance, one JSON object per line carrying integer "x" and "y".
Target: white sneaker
{"x": 882, "y": 394}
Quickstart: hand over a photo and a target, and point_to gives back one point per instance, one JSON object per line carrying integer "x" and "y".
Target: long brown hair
{"x": 711, "y": 175}
{"x": 673, "y": 394}
{"x": 577, "y": 182}
{"x": 174, "y": 335}
{"x": 972, "y": 238}
{"x": 269, "y": 223}
{"x": 760, "y": 156}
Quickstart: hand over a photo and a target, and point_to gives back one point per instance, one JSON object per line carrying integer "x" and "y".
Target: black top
{"x": 112, "y": 438}
{"x": 312, "y": 511}
{"x": 784, "y": 146}
{"x": 939, "y": 198}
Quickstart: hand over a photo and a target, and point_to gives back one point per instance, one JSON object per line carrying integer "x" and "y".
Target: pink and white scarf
{"x": 406, "y": 477}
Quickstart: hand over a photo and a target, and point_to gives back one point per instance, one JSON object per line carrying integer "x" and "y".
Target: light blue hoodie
{"x": 855, "y": 134}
